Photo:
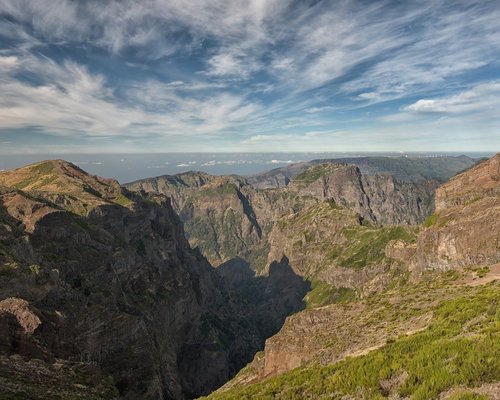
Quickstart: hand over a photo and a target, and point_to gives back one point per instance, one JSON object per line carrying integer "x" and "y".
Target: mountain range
{"x": 336, "y": 278}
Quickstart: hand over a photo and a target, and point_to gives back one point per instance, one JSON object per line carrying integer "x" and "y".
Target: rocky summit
{"x": 342, "y": 279}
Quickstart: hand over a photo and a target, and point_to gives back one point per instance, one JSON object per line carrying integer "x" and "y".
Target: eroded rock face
{"x": 380, "y": 199}
{"x": 465, "y": 231}
{"x": 473, "y": 185}
{"x": 227, "y": 217}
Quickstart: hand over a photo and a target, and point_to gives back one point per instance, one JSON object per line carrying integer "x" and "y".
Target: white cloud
{"x": 481, "y": 98}
{"x": 69, "y": 100}
{"x": 8, "y": 63}
{"x": 229, "y": 65}
{"x": 303, "y": 47}
{"x": 446, "y": 43}
{"x": 344, "y": 54}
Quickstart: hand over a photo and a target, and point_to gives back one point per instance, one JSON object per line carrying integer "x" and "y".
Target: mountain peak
{"x": 65, "y": 183}
{"x": 46, "y": 176}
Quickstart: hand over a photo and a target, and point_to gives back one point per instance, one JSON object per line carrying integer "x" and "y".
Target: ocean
{"x": 129, "y": 167}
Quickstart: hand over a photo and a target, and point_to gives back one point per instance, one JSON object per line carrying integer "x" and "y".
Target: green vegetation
{"x": 473, "y": 200}
{"x": 322, "y": 294}
{"x": 26, "y": 182}
{"x": 366, "y": 246}
{"x": 327, "y": 209}
{"x": 460, "y": 347}
{"x": 45, "y": 181}
{"x": 43, "y": 168}
{"x": 435, "y": 220}
{"x": 122, "y": 200}
{"x": 314, "y": 173}
{"x": 326, "y": 236}
{"x": 34, "y": 269}
{"x": 36, "y": 172}
{"x": 482, "y": 272}
{"x": 430, "y": 221}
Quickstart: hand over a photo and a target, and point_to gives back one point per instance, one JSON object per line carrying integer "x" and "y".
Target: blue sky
{"x": 105, "y": 76}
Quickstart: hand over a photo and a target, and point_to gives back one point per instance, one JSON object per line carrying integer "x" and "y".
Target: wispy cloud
{"x": 278, "y": 72}
{"x": 69, "y": 100}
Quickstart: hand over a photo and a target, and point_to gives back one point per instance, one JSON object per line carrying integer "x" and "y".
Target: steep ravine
{"x": 100, "y": 290}
{"x": 114, "y": 286}
{"x": 438, "y": 309}
{"x": 232, "y": 217}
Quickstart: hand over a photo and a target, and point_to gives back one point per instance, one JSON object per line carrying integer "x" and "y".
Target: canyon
{"x": 175, "y": 286}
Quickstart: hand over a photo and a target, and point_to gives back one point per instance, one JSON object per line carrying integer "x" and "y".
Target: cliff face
{"x": 406, "y": 169}
{"x": 226, "y": 217}
{"x": 112, "y": 282}
{"x": 379, "y": 199}
{"x": 335, "y": 246}
{"x": 332, "y": 243}
{"x": 465, "y": 230}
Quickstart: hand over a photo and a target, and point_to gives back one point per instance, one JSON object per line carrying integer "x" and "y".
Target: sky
{"x": 155, "y": 76}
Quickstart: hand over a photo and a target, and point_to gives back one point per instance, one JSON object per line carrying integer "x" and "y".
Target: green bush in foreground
{"x": 460, "y": 347}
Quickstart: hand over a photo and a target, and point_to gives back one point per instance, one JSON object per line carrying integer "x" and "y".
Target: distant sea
{"x": 129, "y": 167}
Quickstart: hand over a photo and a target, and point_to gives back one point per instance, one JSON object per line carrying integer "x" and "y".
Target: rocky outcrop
{"x": 473, "y": 185}
{"x": 465, "y": 230}
{"x": 20, "y": 309}
{"x": 379, "y": 199}
{"x": 18, "y": 322}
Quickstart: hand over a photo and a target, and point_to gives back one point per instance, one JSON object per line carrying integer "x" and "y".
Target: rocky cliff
{"x": 406, "y": 169}
{"x": 96, "y": 275}
{"x": 374, "y": 344}
{"x": 227, "y": 217}
{"x": 465, "y": 229}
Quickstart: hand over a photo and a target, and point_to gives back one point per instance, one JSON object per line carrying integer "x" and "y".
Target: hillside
{"x": 66, "y": 186}
{"x": 465, "y": 229}
{"x": 436, "y": 307}
{"x": 329, "y": 287}
{"x": 444, "y": 344}
{"x": 111, "y": 293}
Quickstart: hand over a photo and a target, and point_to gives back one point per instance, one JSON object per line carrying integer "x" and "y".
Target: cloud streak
{"x": 245, "y": 72}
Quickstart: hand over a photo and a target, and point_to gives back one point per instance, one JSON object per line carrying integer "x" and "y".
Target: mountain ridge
{"x": 318, "y": 350}
{"x": 112, "y": 291}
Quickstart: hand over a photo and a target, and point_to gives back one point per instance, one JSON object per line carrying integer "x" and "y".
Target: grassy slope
{"x": 56, "y": 180}
{"x": 461, "y": 346}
